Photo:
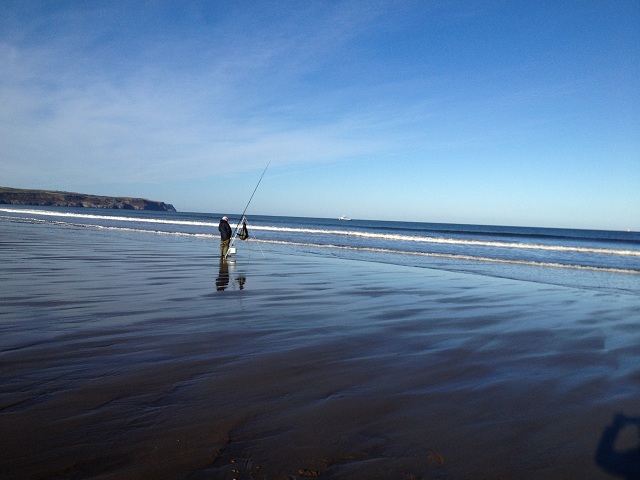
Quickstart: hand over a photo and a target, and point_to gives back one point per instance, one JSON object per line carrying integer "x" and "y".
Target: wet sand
{"x": 122, "y": 357}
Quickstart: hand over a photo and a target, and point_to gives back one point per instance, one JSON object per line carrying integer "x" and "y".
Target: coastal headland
{"x": 19, "y": 196}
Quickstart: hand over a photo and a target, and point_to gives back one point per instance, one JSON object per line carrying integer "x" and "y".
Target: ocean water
{"x": 341, "y": 349}
{"x": 592, "y": 259}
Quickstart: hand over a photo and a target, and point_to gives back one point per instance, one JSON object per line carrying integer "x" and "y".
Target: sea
{"x": 323, "y": 347}
{"x": 589, "y": 259}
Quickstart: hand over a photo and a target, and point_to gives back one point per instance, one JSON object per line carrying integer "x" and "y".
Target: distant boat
{"x": 344, "y": 217}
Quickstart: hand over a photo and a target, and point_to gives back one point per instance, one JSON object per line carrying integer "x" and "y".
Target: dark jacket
{"x": 225, "y": 230}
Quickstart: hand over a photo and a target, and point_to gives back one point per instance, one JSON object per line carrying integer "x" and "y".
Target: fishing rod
{"x": 254, "y": 190}
{"x": 235, "y": 233}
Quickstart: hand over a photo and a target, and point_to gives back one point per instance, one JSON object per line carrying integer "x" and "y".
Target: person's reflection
{"x": 626, "y": 463}
{"x": 223, "y": 275}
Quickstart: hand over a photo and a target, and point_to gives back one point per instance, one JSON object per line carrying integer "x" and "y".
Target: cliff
{"x": 17, "y": 196}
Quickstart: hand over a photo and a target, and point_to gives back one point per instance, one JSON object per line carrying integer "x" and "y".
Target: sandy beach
{"x": 140, "y": 356}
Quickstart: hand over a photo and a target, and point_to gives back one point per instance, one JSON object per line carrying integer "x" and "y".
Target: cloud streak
{"x": 123, "y": 93}
{"x": 229, "y": 105}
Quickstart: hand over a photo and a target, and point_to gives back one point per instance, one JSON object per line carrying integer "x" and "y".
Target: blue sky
{"x": 499, "y": 112}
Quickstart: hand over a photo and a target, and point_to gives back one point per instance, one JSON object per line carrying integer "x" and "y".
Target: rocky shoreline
{"x": 18, "y": 196}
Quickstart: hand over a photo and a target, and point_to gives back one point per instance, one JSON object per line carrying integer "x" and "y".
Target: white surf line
{"x": 129, "y": 229}
{"x": 109, "y": 217}
{"x": 452, "y": 241}
{"x": 458, "y": 257}
{"x": 366, "y": 249}
{"x": 395, "y": 237}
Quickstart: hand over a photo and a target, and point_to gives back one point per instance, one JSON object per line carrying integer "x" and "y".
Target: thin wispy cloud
{"x": 128, "y": 94}
{"x": 199, "y": 116}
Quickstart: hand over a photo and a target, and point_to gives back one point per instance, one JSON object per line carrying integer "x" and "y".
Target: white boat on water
{"x": 344, "y": 217}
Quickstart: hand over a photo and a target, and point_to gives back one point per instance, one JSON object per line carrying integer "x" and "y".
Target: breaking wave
{"x": 393, "y": 237}
{"x": 452, "y": 256}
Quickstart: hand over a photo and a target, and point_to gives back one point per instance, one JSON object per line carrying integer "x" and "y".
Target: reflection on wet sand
{"x": 326, "y": 367}
{"x": 223, "y": 275}
{"x": 222, "y": 281}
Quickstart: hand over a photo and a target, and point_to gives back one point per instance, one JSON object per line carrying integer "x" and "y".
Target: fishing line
{"x": 242, "y": 217}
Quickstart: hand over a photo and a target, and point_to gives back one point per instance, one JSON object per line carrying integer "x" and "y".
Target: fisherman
{"x": 225, "y": 236}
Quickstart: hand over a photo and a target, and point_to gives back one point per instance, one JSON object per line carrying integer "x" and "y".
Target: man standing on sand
{"x": 225, "y": 236}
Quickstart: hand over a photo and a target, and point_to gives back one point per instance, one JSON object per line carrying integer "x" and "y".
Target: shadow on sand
{"x": 621, "y": 463}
